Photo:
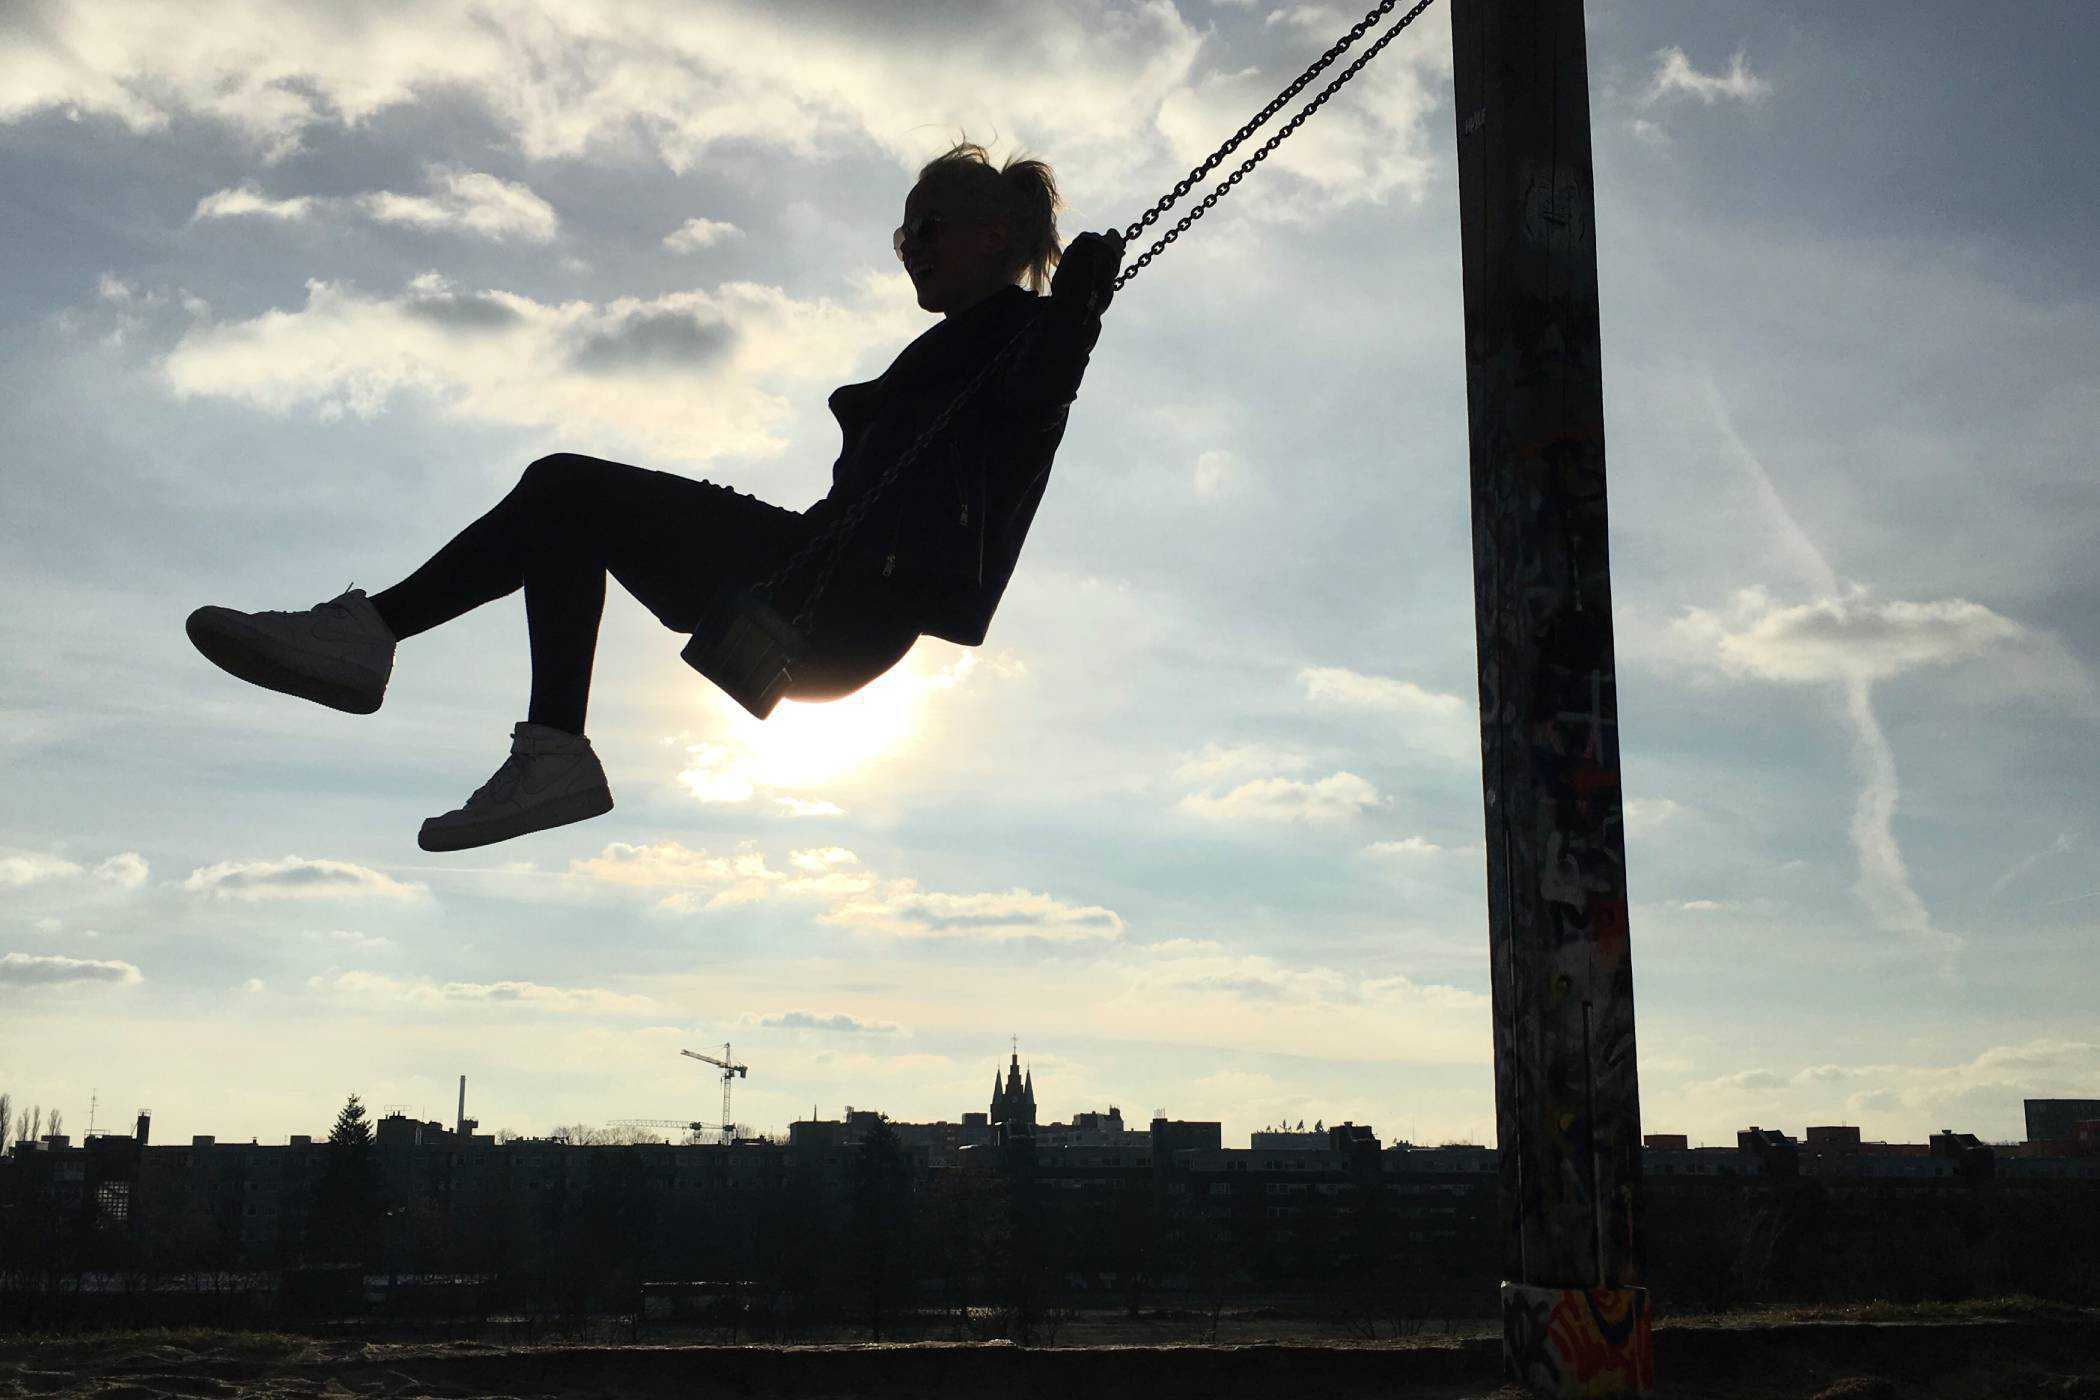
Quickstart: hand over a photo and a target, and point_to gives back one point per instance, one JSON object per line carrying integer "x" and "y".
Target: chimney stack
{"x": 145, "y": 1126}
{"x": 459, "y": 1126}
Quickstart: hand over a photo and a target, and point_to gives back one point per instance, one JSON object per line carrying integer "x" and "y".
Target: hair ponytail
{"x": 1023, "y": 192}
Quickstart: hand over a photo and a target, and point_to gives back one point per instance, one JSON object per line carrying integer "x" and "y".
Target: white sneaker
{"x": 551, "y": 778}
{"x": 339, "y": 653}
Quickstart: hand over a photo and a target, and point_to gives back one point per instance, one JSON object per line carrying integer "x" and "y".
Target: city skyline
{"x": 296, "y": 294}
{"x": 2060, "y": 1115}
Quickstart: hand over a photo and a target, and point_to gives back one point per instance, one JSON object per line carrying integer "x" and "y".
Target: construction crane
{"x": 695, "y": 1129}
{"x": 730, "y": 1070}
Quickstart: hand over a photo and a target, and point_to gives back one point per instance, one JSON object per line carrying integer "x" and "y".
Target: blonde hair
{"x": 1023, "y": 192}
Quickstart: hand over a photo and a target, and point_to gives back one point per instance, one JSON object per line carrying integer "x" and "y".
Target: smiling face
{"x": 952, "y": 256}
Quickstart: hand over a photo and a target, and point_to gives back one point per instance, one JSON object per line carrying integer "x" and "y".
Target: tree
{"x": 7, "y": 1122}
{"x": 882, "y": 1268}
{"x": 351, "y": 1131}
{"x": 347, "y": 1208}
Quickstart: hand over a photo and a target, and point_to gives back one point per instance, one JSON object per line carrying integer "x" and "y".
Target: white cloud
{"x": 838, "y": 1021}
{"x": 530, "y": 996}
{"x": 455, "y": 200}
{"x": 253, "y": 986}
{"x": 296, "y": 877}
{"x": 126, "y": 870}
{"x": 351, "y": 940}
{"x": 1414, "y": 848}
{"x": 1644, "y": 816}
{"x": 695, "y": 879}
{"x": 1188, "y": 975}
{"x": 121, "y": 311}
{"x": 467, "y": 201}
{"x": 691, "y": 375}
{"x": 695, "y": 234}
{"x": 822, "y": 858}
{"x": 1323, "y": 18}
{"x": 807, "y": 807}
{"x": 1338, "y": 797}
{"x": 1854, "y": 640}
{"x": 1249, "y": 977}
{"x": 1674, "y": 73}
{"x": 1221, "y": 762}
{"x": 1853, "y": 637}
{"x": 692, "y": 880}
{"x": 47, "y": 970}
{"x": 901, "y": 909}
{"x": 246, "y": 201}
{"x": 675, "y": 77}
{"x": 1886, "y": 1098}
{"x": 1338, "y": 686}
{"x": 30, "y": 867}
{"x": 1433, "y": 721}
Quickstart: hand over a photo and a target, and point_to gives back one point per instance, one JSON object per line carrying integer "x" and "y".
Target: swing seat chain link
{"x": 1183, "y": 186}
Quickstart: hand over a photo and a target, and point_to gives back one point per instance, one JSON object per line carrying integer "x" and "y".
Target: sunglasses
{"x": 920, "y": 231}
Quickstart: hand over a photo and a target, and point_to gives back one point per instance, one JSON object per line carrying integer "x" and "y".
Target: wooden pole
{"x": 1567, "y": 1097}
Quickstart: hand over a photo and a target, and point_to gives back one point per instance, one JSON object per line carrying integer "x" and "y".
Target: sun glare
{"x": 804, "y": 746}
{"x": 808, "y": 748}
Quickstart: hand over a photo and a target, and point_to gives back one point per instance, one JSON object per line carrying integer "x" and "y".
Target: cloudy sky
{"x": 294, "y": 291}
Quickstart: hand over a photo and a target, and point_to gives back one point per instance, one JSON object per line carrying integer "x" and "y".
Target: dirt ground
{"x": 1741, "y": 1358}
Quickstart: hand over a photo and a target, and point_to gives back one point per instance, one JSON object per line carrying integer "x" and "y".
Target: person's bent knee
{"x": 557, "y": 471}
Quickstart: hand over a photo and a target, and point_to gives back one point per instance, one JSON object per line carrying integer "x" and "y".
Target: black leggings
{"x": 671, "y": 541}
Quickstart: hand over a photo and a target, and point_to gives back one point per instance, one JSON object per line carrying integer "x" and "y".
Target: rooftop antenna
{"x": 93, "y": 1099}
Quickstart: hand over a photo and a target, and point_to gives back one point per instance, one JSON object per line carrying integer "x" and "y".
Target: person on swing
{"x": 932, "y": 557}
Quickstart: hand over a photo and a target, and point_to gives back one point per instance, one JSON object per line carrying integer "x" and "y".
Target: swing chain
{"x": 1182, "y": 187}
{"x": 846, "y": 524}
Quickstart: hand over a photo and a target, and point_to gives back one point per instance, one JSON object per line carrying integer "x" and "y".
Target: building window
{"x": 113, "y": 1204}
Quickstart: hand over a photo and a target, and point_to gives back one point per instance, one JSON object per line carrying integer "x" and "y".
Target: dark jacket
{"x": 938, "y": 547}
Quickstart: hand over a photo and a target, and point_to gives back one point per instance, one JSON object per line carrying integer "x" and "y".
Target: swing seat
{"x": 748, "y": 649}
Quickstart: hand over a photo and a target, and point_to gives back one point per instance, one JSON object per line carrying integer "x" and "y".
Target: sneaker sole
{"x": 576, "y": 807}
{"x": 239, "y": 655}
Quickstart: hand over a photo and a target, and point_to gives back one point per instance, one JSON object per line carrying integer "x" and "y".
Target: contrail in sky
{"x": 1884, "y": 883}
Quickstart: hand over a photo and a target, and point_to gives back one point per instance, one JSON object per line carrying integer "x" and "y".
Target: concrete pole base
{"x": 1578, "y": 1341}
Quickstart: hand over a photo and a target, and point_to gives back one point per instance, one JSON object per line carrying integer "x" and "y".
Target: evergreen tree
{"x": 347, "y": 1209}
{"x": 351, "y": 1132}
